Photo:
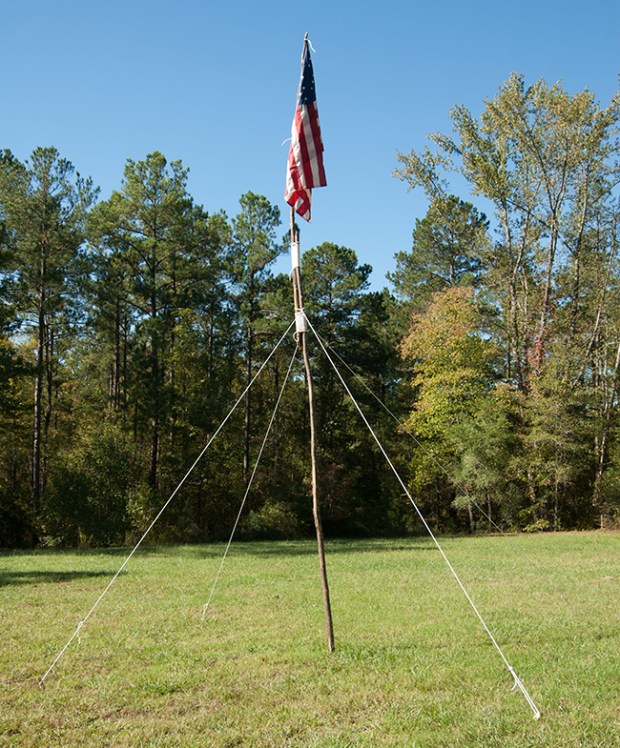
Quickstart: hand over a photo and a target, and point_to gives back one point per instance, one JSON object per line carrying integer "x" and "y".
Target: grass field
{"x": 412, "y": 666}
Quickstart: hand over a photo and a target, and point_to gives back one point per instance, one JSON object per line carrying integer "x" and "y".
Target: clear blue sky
{"x": 214, "y": 84}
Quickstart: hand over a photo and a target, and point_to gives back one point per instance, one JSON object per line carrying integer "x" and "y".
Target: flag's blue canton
{"x": 307, "y": 91}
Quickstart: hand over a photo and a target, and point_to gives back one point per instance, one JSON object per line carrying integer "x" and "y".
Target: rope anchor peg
{"x": 518, "y": 684}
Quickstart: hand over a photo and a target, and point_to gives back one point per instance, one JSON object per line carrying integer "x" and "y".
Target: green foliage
{"x": 610, "y": 494}
{"x": 43, "y": 207}
{"x": 453, "y": 373}
{"x": 358, "y": 492}
{"x": 91, "y": 490}
{"x": 129, "y": 328}
{"x": 334, "y": 282}
{"x": 453, "y": 362}
{"x": 558, "y": 468}
{"x": 450, "y": 245}
{"x": 485, "y": 474}
{"x": 254, "y": 250}
{"x": 157, "y": 303}
{"x": 547, "y": 162}
{"x": 273, "y": 521}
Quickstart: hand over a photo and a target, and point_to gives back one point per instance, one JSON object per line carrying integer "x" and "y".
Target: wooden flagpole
{"x": 302, "y": 343}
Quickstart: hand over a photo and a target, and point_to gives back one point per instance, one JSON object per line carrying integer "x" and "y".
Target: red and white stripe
{"x": 305, "y": 159}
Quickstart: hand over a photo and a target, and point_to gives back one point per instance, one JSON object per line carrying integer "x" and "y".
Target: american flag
{"x": 305, "y": 159}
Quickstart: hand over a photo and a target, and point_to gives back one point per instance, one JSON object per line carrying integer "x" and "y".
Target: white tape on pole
{"x": 300, "y": 321}
{"x": 295, "y": 254}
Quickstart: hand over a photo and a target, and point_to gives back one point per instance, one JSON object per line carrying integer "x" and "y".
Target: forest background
{"x": 130, "y": 326}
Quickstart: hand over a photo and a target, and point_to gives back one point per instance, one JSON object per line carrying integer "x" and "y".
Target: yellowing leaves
{"x": 453, "y": 361}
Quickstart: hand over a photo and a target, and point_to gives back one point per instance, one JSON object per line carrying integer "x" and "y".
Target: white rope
{"x": 161, "y": 511}
{"x": 427, "y": 453}
{"x": 433, "y": 459}
{"x": 205, "y": 607}
{"x": 517, "y": 681}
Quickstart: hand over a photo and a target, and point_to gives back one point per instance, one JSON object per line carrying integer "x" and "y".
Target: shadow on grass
{"x": 17, "y": 578}
{"x": 305, "y": 547}
{"x": 257, "y": 549}
{"x": 308, "y": 547}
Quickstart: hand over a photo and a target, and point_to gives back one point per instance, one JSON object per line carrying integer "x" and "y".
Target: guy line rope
{"x": 161, "y": 511}
{"x": 249, "y": 486}
{"x": 431, "y": 457}
{"x": 517, "y": 681}
{"x": 414, "y": 438}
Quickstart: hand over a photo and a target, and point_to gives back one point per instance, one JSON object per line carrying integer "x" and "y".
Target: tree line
{"x": 129, "y": 327}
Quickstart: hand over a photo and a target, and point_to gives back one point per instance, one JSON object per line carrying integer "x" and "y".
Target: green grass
{"x": 412, "y": 666}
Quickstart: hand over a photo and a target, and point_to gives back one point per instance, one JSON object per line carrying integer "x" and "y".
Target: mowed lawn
{"x": 412, "y": 666}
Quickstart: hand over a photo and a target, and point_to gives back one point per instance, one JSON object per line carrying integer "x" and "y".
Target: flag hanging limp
{"x": 305, "y": 159}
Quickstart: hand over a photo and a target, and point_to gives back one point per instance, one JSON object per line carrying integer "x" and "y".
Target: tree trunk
{"x": 247, "y": 426}
{"x": 125, "y": 362}
{"x": 155, "y": 395}
{"x": 47, "y": 411}
{"x": 603, "y": 440}
{"x": 115, "y": 389}
{"x": 38, "y": 403}
{"x": 539, "y": 347}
